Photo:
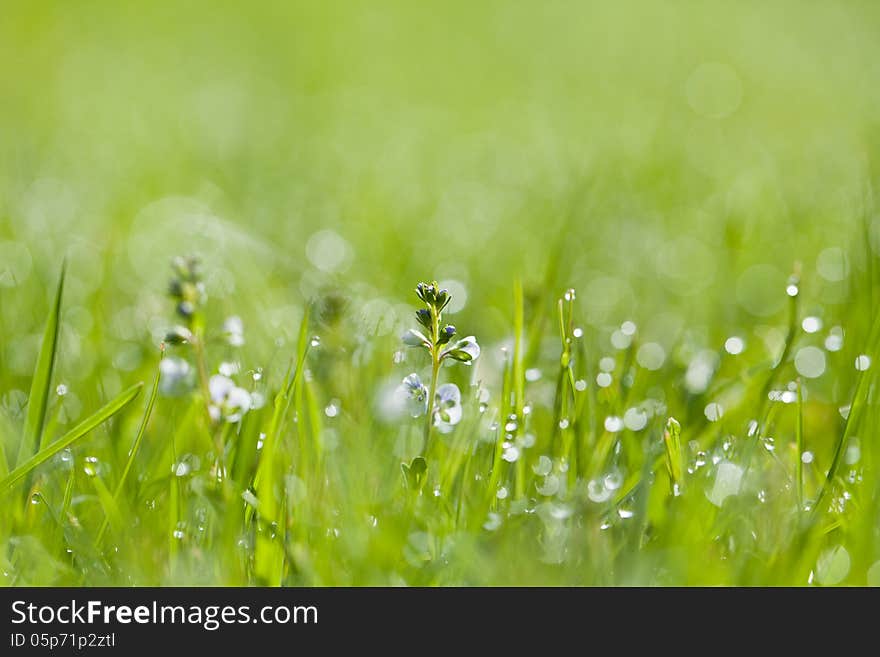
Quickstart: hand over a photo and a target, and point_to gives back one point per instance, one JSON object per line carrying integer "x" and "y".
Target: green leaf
{"x": 414, "y": 473}
{"x": 41, "y": 383}
{"x": 103, "y": 414}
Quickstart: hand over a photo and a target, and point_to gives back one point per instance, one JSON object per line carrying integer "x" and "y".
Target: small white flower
{"x": 413, "y": 395}
{"x": 233, "y": 327}
{"x": 173, "y": 375}
{"x": 413, "y": 338}
{"x": 228, "y": 400}
{"x": 447, "y": 407}
{"x": 465, "y": 350}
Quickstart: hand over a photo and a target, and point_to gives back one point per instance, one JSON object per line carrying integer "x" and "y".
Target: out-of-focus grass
{"x": 672, "y": 164}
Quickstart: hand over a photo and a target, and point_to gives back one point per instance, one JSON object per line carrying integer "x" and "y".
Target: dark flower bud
{"x": 178, "y": 335}
{"x": 446, "y": 334}
{"x": 423, "y": 317}
{"x": 175, "y": 288}
{"x": 185, "y": 309}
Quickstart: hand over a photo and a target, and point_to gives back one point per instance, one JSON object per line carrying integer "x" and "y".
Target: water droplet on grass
{"x": 543, "y": 466}
{"x": 734, "y": 345}
{"x": 90, "y": 467}
{"x": 810, "y": 362}
{"x": 713, "y": 412}
{"x": 61, "y": 390}
{"x": 613, "y": 424}
{"x": 811, "y": 324}
{"x": 493, "y": 522}
{"x": 834, "y": 341}
{"x": 511, "y": 454}
{"x": 613, "y": 480}
{"x": 727, "y": 482}
{"x": 550, "y": 486}
{"x": 651, "y": 356}
{"x": 863, "y": 362}
{"x": 635, "y": 419}
{"x": 597, "y": 492}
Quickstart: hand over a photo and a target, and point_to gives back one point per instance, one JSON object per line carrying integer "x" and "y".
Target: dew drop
{"x": 543, "y": 466}
{"x": 811, "y": 324}
{"x": 613, "y": 424}
{"x": 734, "y": 345}
{"x": 511, "y": 454}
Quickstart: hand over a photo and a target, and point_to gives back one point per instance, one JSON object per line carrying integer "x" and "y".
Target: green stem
{"x": 435, "y": 372}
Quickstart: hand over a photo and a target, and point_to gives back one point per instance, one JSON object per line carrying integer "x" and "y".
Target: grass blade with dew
{"x": 41, "y": 383}
{"x": 799, "y": 438}
{"x": 519, "y": 380}
{"x": 269, "y": 556}
{"x": 135, "y": 446}
{"x": 83, "y": 428}
{"x": 674, "y": 455}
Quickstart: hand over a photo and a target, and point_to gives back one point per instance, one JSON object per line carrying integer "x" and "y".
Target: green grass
{"x": 678, "y": 168}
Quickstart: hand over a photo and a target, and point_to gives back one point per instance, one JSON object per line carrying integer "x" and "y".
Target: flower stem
{"x": 435, "y": 371}
{"x": 201, "y": 367}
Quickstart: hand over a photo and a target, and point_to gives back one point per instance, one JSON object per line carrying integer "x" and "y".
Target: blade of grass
{"x": 42, "y": 380}
{"x": 132, "y": 453}
{"x": 799, "y": 437}
{"x": 269, "y": 557}
{"x": 519, "y": 380}
{"x": 82, "y": 429}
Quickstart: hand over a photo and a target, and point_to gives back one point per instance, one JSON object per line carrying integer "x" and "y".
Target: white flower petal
{"x": 219, "y": 387}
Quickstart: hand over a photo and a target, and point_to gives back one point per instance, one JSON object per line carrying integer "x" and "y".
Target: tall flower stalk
{"x": 440, "y": 403}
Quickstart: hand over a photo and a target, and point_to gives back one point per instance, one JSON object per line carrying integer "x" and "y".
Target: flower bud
{"x": 423, "y": 317}
{"x": 178, "y": 335}
{"x": 446, "y": 334}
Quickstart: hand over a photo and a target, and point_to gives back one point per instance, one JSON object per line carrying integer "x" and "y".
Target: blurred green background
{"x": 670, "y": 161}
